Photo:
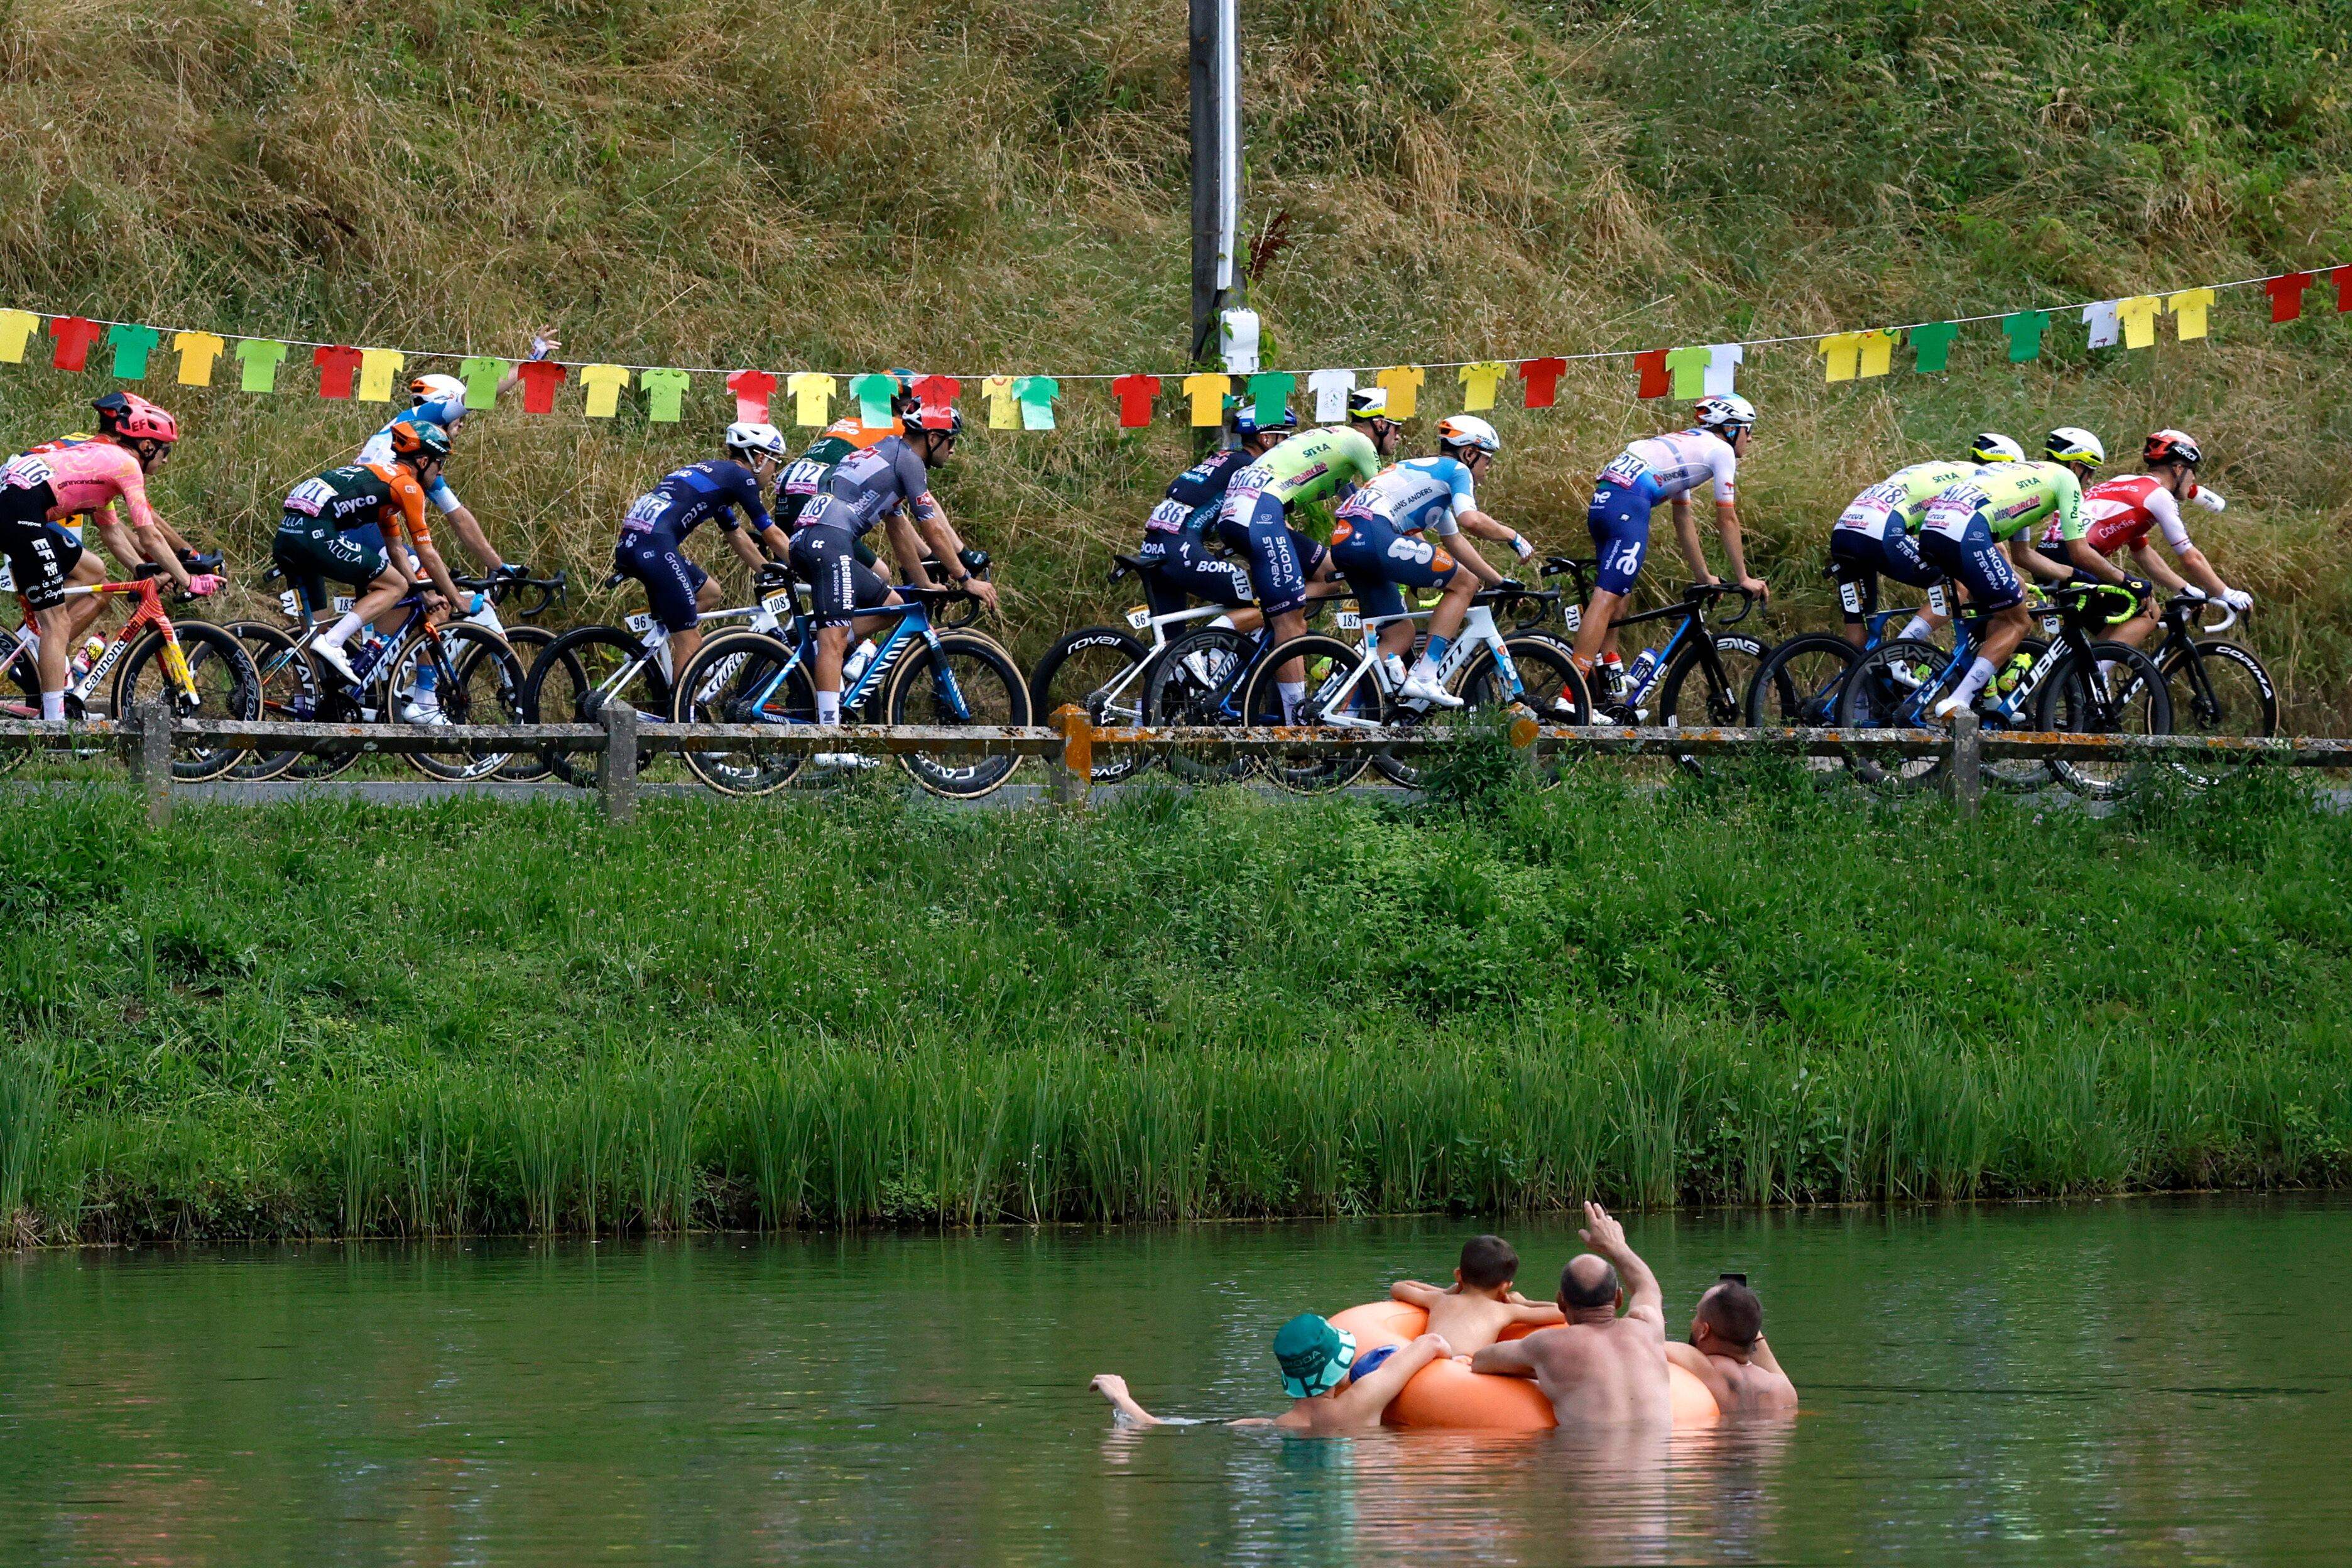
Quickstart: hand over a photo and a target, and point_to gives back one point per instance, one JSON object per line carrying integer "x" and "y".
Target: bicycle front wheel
{"x": 1100, "y": 669}
{"x": 744, "y": 677}
{"x": 1548, "y": 687}
{"x": 580, "y": 669}
{"x": 289, "y": 691}
{"x": 1327, "y": 665}
{"x": 1698, "y": 694}
{"x": 1894, "y": 686}
{"x": 2217, "y": 689}
{"x": 2115, "y": 690}
{"x": 966, "y": 681}
{"x": 478, "y": 680}
{"x": 1196, "y": 683}
{"x": 221, "y": 683}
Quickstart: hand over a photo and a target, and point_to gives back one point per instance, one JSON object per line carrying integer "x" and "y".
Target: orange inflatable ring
{"x": 1447, "y": 1393}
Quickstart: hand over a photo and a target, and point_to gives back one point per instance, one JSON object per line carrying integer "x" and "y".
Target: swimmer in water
{"x": 1728, "y": 1353}
{"x": 1481, "y": 1304}
{"x": 1599, "y": 1369}
{"x": 1330, "y": 1390}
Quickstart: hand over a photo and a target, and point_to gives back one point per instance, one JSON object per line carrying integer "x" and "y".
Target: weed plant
{"x": 1758, "y": 987}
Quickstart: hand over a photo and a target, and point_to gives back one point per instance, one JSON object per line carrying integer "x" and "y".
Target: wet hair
{"x": 1598, "y": 1290}
{"x": 1488, "y": 1261}
{"x": 1735, "y": 1314}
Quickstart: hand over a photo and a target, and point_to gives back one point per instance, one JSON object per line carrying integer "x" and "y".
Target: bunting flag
{"x": 1035, "y": 402}
{"x": 2343, "y": 289}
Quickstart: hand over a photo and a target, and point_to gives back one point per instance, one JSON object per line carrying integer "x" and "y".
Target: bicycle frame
{"x": 1478, "y": 631}
{"x": 912, "y": 625}
{"x": 1140, "y": 618}
{"x": 148, "y": 613}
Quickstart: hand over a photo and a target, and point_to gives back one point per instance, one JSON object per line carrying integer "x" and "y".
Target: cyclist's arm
{"x": 2199, "y": 571}
{"x": 1485, "y": 527}
{"x": 2029, "y": 559}
{"x": 2162, "y": 576}
{"x": 777, "y": 543}
{"x": 478, "y": 543}
{"x": 1475, "y": 563}
{"x": 428, "y": 556}
{"x": 932, "y": 519}
{"x": 2079, "y": 552}
{"x": 746, "y": 549}
{"x": 1734, "y": 549}
{"x": 117, "y": 538}
{"x": 1686, "y": 530}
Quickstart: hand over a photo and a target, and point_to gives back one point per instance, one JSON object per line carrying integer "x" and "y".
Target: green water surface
{"x": 2123, "y": 1381}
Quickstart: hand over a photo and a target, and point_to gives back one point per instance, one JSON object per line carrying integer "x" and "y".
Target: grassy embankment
{"x": 1000, "y": 188}
{"x": 315, "y": 1019}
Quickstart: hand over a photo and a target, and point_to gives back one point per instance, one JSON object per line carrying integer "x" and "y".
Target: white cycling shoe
{"x": 336, "y": 659}
{"x": 417, "y": 713}
{"x": 1417, "y": 689}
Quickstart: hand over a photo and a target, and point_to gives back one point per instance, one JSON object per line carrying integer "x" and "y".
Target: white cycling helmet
{"x": 436, "y": 389}
{"x": 1367, "y": 403}
{"x": 763, "y": 440}
{"x": 2072, "y": 444}
{"x": 1727, "y": 408}
{"x": 1468, "y": 430}
{"x": 1992, "y": 447}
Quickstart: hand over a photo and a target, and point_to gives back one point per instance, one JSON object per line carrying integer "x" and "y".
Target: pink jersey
{"x": 84, "y": 478}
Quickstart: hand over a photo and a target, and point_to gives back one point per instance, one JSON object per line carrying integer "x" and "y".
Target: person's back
{"x": 2013, "y": 497}
{"x": 1599, "y": 1369}
{"x": 1313, "y": 465}
{"x": 1675, "y": 463}
{"x": 1728, "y": 1353}
{"x": 1481, "y": 1304}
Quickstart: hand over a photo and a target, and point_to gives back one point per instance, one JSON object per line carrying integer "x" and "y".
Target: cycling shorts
{"x": 672, "y": 581}
{"x": 312, "y": 552}
{"x": 1619, "y": 521}
{"x": 1281, "y": 559}
{"x": 1377, "y": 558}
{"x": 1178, "y": 569}
{"x": 825, "y": 558}
{"x": 1975, "y": 560}
{"x": 39, "y": 552}
{"x": 1858, "y": 559}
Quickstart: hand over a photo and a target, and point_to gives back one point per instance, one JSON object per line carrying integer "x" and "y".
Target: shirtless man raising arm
{"x": 1599, "y": 1368}
{"x": 1728, "y": 1353}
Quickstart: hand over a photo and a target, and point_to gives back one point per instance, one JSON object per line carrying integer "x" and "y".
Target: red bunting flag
{"x": 1653, "y": 366}
{"x": 337, "y": 365}
{"x": 2343, "y": 276}
{"x": 73, "y": 335}
{"x": 2286, "y": 296}
{"x": 1135, "y": 393}
{"x": 540, "y": 377}
{"x": 1541, "y": 379}
{"x": 936, "y": 396}
{"x": 751, "y": 389}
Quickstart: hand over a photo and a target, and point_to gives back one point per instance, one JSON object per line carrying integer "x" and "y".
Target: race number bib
{"x": 26, "y": 471}
{"x": 1168, "y": 517}
{"x": 311, "y": 498}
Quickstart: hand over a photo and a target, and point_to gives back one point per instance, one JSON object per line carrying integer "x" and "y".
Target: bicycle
{"x": 2217, "y": 687}
{"x": 1700, "y": 675}
{"x": 1797, "y": 685}
{"x": 1104, "y": 669}
{"x": 1198, "y": 679}
{"x": 918, "y": 674}
{"x": 2075, "y": 686}
{"x": 1482, "y": 667}
{"x": 199, "y": 670}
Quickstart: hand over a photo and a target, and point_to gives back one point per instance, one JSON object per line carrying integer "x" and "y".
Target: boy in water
{"x": 1320, "y": 1373}
{"x": 1728, "y": 1353}
{"x": 1473, "y": 1313}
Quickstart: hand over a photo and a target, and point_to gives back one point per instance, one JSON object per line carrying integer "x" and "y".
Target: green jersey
{"x": 1312, "y": 466}
{"x": 2010, "y": 497}
{"x": 1900, "y": 500}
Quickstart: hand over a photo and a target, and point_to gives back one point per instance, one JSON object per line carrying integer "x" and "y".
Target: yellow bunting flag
{"x": 604, "y": 383}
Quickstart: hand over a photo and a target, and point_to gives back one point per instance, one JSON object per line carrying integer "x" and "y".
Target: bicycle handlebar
{"x": 555, "y": 590}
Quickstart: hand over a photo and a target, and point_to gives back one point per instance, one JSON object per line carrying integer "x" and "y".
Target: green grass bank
{"x": 1000, "y": 186}
{"x": 324, "y": 1019}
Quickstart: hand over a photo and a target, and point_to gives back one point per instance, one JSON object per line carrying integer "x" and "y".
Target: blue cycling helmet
{"x": 1245, "y": 419}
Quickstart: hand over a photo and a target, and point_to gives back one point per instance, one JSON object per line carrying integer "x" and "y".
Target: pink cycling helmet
{"x": 133, "y": 418}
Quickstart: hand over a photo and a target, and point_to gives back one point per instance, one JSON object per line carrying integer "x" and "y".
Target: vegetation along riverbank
{"x": 321, "y": 1019}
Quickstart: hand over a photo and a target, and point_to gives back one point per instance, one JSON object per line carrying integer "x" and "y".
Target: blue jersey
{"x": 687, "y": 497}
{"x": 442, "y": 411}
{"x": 1416, "y": 494}
{"x": 1194, "y": 495}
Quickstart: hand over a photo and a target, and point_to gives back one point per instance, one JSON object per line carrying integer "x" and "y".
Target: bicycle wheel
{"x": 1893, "y": 687}
{"x": 2019, "y": 774}
{"x": 1195, "y": 683}
{"x": 222, "y": 684}
{"x": 1797, "y": 685}
{"x": 1693, "y": 697}
{"x": 967, "y": 679}
{"x": 478, "y": 680}
{"x": 1328, "y": 664}
{"x": 2217, "y": 688}
{"x": 744, "y": 677}
{"x": 1549, "y": 687}
{"x": 1100, "y": 668}
{"x": 23, "y": 682}
{"x": 289, "y": 691}
{"x": 2115, "y": 690}
{"x": 529, "y": 643}
{"x": 582, "y": 666}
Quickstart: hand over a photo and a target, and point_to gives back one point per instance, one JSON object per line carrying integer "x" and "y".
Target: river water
{"x": 2125, "y": 1382}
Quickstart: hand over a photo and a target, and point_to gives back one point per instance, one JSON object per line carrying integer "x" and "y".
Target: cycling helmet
{"x": 2172, "y": 446}
{"x": 133, "y": 418}
{"x": 759, "y": 440}
{"x": 437, "y": 389}
{"x": 1724, "y": 409}
{"x": 1246, "y": 422}
{"x": 421, "y": 439}
{"x": 937, "y": 422}
{"x": 1468, "y": 430}
{"x": 1995, "y": 448}
{"x": 905, "y": 402}
{"x": 2072, "y": 444}
{"x": 1367, "y": 403}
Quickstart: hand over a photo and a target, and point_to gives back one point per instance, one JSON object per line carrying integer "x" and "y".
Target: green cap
{"x": 1315, "y": 1356}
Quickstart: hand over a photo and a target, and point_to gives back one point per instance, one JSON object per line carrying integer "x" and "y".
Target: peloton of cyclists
{"x": 1878, "y": 535}
{"x": 2121, "y": 512}
{"x": 1177, "y": 566}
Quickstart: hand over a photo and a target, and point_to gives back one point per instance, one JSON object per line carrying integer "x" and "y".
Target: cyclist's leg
{"x": 1901, "y": 559}
{"x": 1977, "y": 561}
{"x": 685, "y": 640}
{"x": 1618, "y": 521}
{"x": 1854, "y": 558}
{"x": 41, "y": 556}
{"x": 1279, "y": 583}
{"x": 825, "y": 559}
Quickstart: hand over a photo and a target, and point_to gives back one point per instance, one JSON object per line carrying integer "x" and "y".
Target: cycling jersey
{"x": 1195, "y": 495}
{"x": 1418, "y": 493}
{"x": 71, "y": 527}
{"x": 361, "y": 495}
{"x": 804, "y": 478}
{"x": 2123, "y": 509}
{"x": 1312, "y": 466}
{"x": 1661, "y": 467}
{"x": 83, "y": 477}
{"x": 869, "y": 484}
{"x": 442, "y": 410}
{"x": 687, "y": 497}
{"x": 1376, "y": 555}
{"x": 1899, "y": 501}
{"x": 2010, "y": 497}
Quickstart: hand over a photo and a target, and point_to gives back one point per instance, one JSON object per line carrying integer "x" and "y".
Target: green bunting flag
{"x": 1931, "y": 345}
{"x": 2025, "y": 329}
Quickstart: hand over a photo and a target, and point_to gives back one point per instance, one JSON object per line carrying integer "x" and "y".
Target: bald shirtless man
{"x": 1728, "y": 1353}
{"x": 1599, "y": 1368}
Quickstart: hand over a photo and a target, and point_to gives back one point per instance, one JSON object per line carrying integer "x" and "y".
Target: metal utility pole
{"x": 1216, "y": 166}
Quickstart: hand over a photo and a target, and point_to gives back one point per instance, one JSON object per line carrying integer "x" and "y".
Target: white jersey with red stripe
{"x": 2122, "y": 510}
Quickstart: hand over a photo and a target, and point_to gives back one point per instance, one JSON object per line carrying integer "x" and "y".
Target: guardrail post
{"x": 616, "y": 770}
{"x": 1967, "y": 763}
{"x": 1070, "y": 772}
{"x": 1523, "y": 730}
{"x": 151, "y": 760}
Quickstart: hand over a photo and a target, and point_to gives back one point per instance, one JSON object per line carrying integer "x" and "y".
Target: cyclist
{"x": 440, "y": 401}
{"x": 2123, "y": 509}
{"x": 1285, "y": 564}
{"x": 1377, "y": 545}
{"x": 889, "y": 477}
{"x": 805, "y": 477}
{"x": 1966, "y": 524}
{"x": 1875, "y": 534}
{"x": 39, "y": 490}
{"x": 1657, "y": 468}
{"x": 653, "y": 533}
{"x": 1177, "y": 566}
{"x": 334, "y": 528}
